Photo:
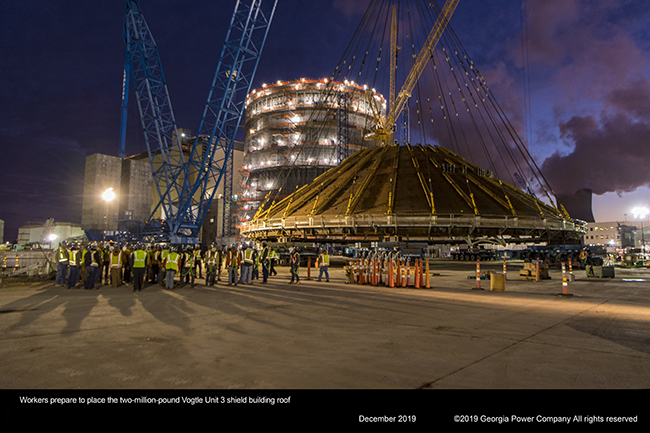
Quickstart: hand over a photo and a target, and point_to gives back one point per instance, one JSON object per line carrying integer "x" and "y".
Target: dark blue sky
{"x": 62, "y": 63}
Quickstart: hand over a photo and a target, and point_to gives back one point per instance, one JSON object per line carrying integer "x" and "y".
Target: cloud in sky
{"x": 595, "y": 74}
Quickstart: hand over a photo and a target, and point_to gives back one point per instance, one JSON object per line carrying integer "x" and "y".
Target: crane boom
{"x": 222, "y": 114}
{"x": 143, "y": 65}
{"x": 383, "y": 134}
{"x": 187, "y": 177}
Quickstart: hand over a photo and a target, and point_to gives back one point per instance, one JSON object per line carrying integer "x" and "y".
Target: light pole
{"x": 108, "y": 196}
{"x": 641, "y": 213}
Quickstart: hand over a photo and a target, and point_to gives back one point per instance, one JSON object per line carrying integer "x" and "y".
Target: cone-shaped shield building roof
{"x": 423, "y": 193}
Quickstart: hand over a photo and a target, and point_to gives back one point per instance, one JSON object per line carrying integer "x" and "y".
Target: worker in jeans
{"x": 323, "y": 265}
{"x": 295, "y": 266}
{"x": 233, "y": 262}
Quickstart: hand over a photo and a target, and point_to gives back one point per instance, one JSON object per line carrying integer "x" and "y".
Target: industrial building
{"x": 130, "y": 181}
{"x": 102, "y": 173}
{"x": 48, "y": 233}
{"x": 610, "y": 234}
{"x": 296, "y": 131}
{"x": 136, "y": 195}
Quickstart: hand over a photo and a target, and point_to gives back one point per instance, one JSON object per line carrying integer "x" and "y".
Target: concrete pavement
{"x": 319, "y": 336}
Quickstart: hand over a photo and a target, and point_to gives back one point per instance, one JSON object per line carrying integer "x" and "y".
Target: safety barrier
{"x": 390, "y": 273}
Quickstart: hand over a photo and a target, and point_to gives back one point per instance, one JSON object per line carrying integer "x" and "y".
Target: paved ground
{"x": 331, "y": 335}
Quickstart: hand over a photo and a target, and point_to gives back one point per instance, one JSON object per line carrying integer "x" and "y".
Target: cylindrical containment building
{"x": 297, "y": 130}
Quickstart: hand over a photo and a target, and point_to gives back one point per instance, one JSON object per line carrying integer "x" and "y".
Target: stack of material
{"x": 530, "y": 271}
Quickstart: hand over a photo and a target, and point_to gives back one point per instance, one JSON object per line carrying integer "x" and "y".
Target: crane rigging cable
{"x": 471, "y": 122}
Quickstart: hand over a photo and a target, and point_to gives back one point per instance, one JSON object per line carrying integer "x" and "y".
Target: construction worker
{"x": 171, "y": 265}
{"x": 126, "y": 264}
{"x": 183, "y": 262}
{"x": 188, "y": 269}
{"x": 211, "y": 261}
{"x": 138, "y": 263}
{"x": 62, "y": 257}
{"x": 323, "y": 263}
{"x": 295, "y": 266}
{"x": 75, "y": 266}
{"x": 265, "y": 259}
{"x": 154, "y": 264}
{"x": 255, "y": 275}
{"x": 233, "y": 262}
{"x": 84, "y": 268}
{"x": 162, "y": 257}
{"x": 115, "y": 263}
{"x": 247, "y": 266}
{"x": 106, "y": 262}
{"x": 93, "y": 262}
{"x": 222, "y": 254}
{"x": 148, "y": 271}
{"x": 198, "y": 256}
{"x": 273, "y": 260}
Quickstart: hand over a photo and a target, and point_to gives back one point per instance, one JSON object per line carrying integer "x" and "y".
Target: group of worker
{"x": 137, "y": 264}
{"x": 91, "y": 263}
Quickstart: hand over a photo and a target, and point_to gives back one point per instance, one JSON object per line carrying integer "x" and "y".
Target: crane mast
{"x": 187, "y": 179}
{"x": 222, "y": 113}
{"x": 142, "y": 64}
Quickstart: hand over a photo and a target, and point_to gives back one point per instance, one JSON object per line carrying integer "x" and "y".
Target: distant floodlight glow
{"x": 52, "y": 237}
{"x": 108, "y": 194}
{"x": 640, "y": 212}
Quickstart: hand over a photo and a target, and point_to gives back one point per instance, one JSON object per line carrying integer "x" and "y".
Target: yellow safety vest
{"x": 63, "y": 257}
{"x": 116, "y": 259}
{"x": 324, "y": 260}
{"x": 212, "y": 258}
{"x": 172, "y": 261}
{"x": 248, "y": 256}
{"x": 139, "y": 257}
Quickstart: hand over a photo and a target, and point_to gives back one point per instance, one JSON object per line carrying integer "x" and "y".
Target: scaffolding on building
{"x": 296, "y": 131}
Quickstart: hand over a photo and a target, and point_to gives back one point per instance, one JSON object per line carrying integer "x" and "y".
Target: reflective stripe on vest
{"x": 326, "y": 260}
{"x": 172, "y": 261}
{"x": 116, "y": 263}
{"x": 248, "y": 256}
{"x": 94, "y": 259}
{"x": 139, "y": 257}
{"x": 73, "y": 259}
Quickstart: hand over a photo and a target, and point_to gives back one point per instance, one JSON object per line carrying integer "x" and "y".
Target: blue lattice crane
{"x": 187, "y": 179}
{"x": 142, "y": 65}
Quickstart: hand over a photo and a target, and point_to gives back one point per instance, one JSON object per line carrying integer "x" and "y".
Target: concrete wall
{"x": 135, "y": 190}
